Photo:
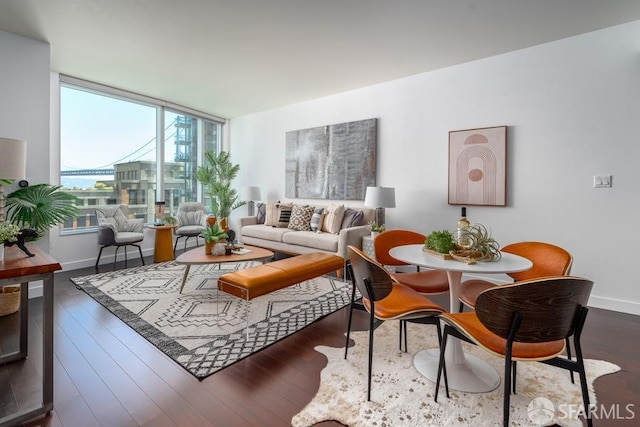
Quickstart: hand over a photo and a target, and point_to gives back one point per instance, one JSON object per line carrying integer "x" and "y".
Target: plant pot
{"x": 374, "y": 233}
{"x": 208, "y": 247}
{"x": 1, "y": 252}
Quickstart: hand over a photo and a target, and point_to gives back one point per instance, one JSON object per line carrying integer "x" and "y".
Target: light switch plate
{"x": 602, "y": 181}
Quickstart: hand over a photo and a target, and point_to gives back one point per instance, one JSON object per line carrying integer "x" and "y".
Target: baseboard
{"x": 629, "y": 307}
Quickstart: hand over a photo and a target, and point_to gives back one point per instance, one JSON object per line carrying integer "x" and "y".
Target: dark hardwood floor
{"x": 107, "y": 375}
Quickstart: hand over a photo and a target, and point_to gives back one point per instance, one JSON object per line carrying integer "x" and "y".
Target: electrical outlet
{"x": 602, "y": 181}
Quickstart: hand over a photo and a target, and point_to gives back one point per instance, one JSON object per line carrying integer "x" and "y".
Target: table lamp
{"x": 380, "y": 198}
{"x": 250, "y": 194}
{"x": 13, "y": 164}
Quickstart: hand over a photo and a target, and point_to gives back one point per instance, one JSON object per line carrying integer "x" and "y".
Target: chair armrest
{"x": 248, "y": 220}
{"x": 351, "y": 236}
{"x": 135, "y": 225}
{"x": 106, "y": 234}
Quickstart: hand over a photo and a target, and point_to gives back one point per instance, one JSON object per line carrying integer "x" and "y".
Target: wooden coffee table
{"x": 197, "y": 256}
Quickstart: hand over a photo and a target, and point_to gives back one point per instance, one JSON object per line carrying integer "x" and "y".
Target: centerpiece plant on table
{"x": 212, "y": 234}
{"x": 441, "y": 242}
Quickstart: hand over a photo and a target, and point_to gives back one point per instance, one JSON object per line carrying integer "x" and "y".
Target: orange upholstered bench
{"x": 262, "y": 279}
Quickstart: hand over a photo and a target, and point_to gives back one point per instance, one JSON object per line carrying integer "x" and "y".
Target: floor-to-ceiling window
{"x": 112, "y": 146}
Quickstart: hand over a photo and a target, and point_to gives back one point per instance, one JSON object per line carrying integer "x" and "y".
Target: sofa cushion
{"x": 323, "y": 241}
{"x": 300, "y": 218}
{"x": 316, "y": 219}
{"x": 272, "y": 214}
{"x": 352, "y": 218}
{"x": 265, "y": 232}
{"x": 333, "y": 219}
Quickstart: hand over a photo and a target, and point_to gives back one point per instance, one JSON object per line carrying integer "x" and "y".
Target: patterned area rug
{"x": 202, "y": 329}
{"x": 400, "y": 396}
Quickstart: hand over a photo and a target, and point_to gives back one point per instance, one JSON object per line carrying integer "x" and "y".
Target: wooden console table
{"x": 19, "y": 268}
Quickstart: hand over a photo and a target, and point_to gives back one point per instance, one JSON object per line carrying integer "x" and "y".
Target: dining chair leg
{"x": 442, "y": 368}
{"x": 568, "y": 345}
{"x": 371, "y": 331}
{"x": 514, "y": 365}
{"x": 507, "y": 388}
{"x": 346, "y": 342}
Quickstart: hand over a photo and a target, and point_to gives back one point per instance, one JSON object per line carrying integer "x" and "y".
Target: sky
{"x": 97, "y": 131}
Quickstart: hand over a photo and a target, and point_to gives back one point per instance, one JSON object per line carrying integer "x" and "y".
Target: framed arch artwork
{"x": 478, "y": 166}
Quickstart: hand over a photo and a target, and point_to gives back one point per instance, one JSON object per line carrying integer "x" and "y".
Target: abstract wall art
{"x": 335, "y": 162}
{"x": 478, "y": 166}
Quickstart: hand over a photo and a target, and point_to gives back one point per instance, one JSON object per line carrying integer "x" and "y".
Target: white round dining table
{"x": 464, "y": 372}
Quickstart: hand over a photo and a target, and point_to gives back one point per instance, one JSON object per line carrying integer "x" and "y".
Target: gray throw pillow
{"x": 261, "y": 212}
{"x": 352, "y": 218}
{"x": 316, "y": 219}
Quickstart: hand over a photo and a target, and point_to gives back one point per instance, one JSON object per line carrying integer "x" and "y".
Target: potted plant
{"x": 212, "y": 234}
{"x": 440, "y": 242}
{"x": 8, "y": 234}
{"x": 216, "y": 176}
{"x": 40, "y": 207}
{"x": 169, "y": 220}
{"x": 376, "y": 228}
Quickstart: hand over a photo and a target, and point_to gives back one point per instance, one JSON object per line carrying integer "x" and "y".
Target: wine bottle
{"x": 462, "y": 239}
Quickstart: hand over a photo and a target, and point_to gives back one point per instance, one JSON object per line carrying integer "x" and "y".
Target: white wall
{"x": 573, "y": 110}
{"x": 24, "y": 102}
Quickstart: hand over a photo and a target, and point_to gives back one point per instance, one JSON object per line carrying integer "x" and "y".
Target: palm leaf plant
{"x": 40, "y": 207}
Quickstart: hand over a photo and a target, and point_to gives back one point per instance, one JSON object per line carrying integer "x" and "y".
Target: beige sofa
{"x": 281, "y": 238}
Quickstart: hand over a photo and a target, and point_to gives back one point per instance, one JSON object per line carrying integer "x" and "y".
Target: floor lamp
{"x": 13, "y": 164}
{"x": 250, "y": 194}
{"x": 380, "y": 198}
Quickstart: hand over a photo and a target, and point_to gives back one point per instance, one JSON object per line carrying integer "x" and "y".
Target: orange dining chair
{"x": 526, "y": 321}
{"x": 384, "y": 299}
{"x": 548, "y": 260}
{"x": 428, "y": 282}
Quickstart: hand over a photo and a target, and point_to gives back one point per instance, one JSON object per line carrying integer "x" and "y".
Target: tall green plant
{"x": 40, "y": 207}
{"x": 216, "y": 176}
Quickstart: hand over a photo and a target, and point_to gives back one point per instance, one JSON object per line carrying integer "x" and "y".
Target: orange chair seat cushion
{"x": 262, "y": 279}
{"x": 403, "y": 302}
{"x": 424, "y": 282}
{"x": 470, "y": 325}
{"x": 470, "y": 290}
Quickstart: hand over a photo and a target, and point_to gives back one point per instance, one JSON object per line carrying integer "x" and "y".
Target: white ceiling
{"x": 234, "y": 57}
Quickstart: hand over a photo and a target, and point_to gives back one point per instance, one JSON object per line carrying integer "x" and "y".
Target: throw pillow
{"x": 300, "y": 218}
{"x": 272, "y": 214}
{"x": 315, "y": 224}
{"x": 352, "y": 218}
{"x": 284, "y": 214}
{"x": 261, "y": 212}
{"x": 333, "y": 219}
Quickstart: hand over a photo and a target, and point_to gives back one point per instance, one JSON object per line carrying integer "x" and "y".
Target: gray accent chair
{"x": 191, "y": 221}
{"x": 115, "y": 229}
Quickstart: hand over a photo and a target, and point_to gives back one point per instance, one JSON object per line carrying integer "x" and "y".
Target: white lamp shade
{"x": 380, "y": 197}
{"x": 251, "y": 193}
{"x": 13, "y": 158}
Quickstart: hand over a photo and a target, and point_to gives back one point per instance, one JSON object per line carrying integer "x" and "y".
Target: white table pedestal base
{"x": 473, "y": 375}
